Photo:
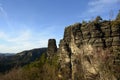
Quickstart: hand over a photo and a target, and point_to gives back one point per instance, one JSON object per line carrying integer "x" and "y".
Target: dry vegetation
{"x": 42, "y": 69}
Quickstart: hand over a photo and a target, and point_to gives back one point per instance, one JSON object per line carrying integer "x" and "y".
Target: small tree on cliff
{"x": 98, "y": 19}
{"x": 84, "y": 22}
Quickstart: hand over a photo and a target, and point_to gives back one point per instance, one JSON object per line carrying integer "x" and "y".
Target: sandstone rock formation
{"x": 52, "y": 48}
{"x": 87, "y": 51}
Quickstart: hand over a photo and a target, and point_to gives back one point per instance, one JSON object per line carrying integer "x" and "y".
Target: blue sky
{"x": 28, "y": 24}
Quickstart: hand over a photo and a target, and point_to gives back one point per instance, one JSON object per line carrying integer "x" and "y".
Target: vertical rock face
{"x": 87, "y": 51}
{"x": 52, "y": 48}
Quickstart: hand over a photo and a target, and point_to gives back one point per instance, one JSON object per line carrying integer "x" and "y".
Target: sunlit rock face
{"x": 89, "y": 51}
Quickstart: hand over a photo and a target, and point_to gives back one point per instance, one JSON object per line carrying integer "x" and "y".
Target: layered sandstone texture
{"x": 90, "y": 51}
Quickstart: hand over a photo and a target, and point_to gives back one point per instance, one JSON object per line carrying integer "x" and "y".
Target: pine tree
{"x": 98, "y": 19}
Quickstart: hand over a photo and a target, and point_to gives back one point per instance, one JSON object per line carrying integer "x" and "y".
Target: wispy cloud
{"x": 101, "y": 8}
{"x": 25, "y": 39}
{"x": 12, "y": 44}
{"x": 22, "y": 36}
{"x": 98, "y": 6}
{"x": 3, "y": 12}
{"x": 2, "y": 35}
{"x": 4, "y": 17}
{"x": 15, "y": 40}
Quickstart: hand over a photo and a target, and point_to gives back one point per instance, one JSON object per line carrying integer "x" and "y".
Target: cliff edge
{"x": 90, "y": 51}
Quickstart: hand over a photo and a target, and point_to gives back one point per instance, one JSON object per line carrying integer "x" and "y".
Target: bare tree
{"x": 111, "y": 14}
{"x": 118, "y": 16}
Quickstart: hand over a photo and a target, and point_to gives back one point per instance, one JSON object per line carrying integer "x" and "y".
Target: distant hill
{"x": 8, "y": 61}
{"x": 7, "y": 54}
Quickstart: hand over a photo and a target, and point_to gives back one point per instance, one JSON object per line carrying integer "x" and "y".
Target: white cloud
{"x": 5, "y": 17}
{"x": 101, "y": 8}
{"x": 22, "y": 36}
{"x": 3, "y": 12}
{"x": 2, "y": 35}
{"x": 102, "y": 2}
{"x": 101, "y": 5}
{"x": 25, "y": 39}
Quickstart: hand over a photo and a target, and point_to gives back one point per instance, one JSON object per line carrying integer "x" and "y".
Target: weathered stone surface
{"x": 52, "y": 48}
{"x": 109, "y": 41}
{"x": 116, "y": 41}
{"x": 85, "y": 47}
{"x": 99, "y": 41}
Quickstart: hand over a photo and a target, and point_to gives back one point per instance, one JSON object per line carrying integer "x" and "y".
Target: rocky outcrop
{"x": 87, "y": 51}
{"x": 52, "y": 48}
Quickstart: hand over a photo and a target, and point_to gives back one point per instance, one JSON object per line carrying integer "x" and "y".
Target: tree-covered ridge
{"x": 41, "y": 69}
{"x": 20, "y": 59}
